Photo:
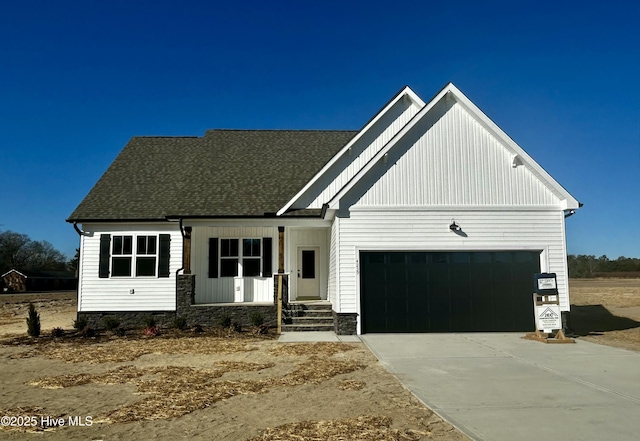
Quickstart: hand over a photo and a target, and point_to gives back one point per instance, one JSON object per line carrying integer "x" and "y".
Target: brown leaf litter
{"x": 363, "y": 428}
{"x": 127, "y": 349}
{"x": 173, "y": 391}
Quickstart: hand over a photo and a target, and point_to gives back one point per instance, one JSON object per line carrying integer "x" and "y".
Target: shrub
{"x": 33, "y": 322}
{"x": 225, "y": 321}
{"x": 80, "y": 323}
{"x": 197, "y": 328}
{"x": 256, "y": 319}
{"x": 180, "y": 323}
{"x": 150, "y": 322}
{"x": 88, "y": 332}
{"x": 57, "y": 332}
{"x": 111, "y": 323}
{"x": 120, "y": 332}
{"x": 151, "y": 331}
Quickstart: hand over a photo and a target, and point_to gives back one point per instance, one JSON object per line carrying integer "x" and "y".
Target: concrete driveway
{"x": 497, "y": 387}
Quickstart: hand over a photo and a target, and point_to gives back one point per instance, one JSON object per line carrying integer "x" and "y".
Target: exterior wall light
{"x": 454, "y": 226}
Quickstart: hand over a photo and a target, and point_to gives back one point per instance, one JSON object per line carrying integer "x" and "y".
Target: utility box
{"x": 545, "y": 283}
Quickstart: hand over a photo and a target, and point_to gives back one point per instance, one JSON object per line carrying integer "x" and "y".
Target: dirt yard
{"x": 202, "y": 386}
{"x": 216, "y": 385}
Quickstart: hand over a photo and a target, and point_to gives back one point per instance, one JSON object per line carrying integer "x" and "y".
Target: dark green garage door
{"x": 447, "y": 291}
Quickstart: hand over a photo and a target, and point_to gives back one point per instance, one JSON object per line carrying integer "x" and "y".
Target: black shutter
{"x": 105, "y": 251}
{"x": 163, "y": 256}
{"x": 213, "y": 258}
{"x": 267, "y": 257}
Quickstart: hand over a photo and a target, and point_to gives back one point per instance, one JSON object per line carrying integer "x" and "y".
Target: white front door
{"x": 308, "y": 272}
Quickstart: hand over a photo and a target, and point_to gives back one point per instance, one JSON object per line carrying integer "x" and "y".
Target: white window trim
{"x": 240, "y": 257}
{"x": 134, "y": 255}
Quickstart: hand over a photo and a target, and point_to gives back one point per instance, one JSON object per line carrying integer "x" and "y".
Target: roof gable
{"x": 543, "y": 189}
{"x": 354, "y": 155}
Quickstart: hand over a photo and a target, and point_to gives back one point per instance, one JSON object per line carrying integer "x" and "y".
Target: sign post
{"x": 546, "y": 309}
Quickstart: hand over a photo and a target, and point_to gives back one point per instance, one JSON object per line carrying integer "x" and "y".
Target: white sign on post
{"x": 548, "y": 318}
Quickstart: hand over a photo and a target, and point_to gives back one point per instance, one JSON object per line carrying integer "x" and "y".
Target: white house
{"x": 428, "y": 219}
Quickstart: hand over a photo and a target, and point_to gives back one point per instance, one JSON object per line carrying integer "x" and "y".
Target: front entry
{"x": 308, "y": 272}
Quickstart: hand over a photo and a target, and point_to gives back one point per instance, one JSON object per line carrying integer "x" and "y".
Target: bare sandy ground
{"x": 182, "y": 385}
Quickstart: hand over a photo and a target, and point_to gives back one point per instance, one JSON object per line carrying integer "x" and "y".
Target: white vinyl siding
{"x": 333, "y": 262}
{"x": 113, "y": 293}
{"x": 361, "y": 152}
{"x": 224, "y": 289}
{"x": 455, "y": 162}
{"x": 429, "y": 231}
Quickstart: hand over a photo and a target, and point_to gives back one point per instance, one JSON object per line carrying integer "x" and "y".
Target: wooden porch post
{"x": 280, "y": 250}
{"x": 280, "y": 275}
{"x": 186, "y": 250}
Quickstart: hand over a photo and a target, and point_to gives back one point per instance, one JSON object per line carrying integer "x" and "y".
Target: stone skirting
{"x": 242, "y": 314}
{"x": 345, "y": 323}
{"x": 213, "y": 315}
{"x": 128, "y": 319}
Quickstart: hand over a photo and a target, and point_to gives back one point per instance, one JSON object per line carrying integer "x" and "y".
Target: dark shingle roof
{"x": 224, "y": 173}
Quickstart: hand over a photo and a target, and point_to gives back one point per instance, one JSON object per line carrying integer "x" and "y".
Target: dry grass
{"x": 173, "y": 391}
{"x": 351, "y": 385}
{"x": 326, "y": 349}
{"x": 621, "y": 293}
{"x": 363, "y": 428}
{"x": 29, "y": 412}
{"x": 607, "y": 311}
{"x": 117, "y": 350}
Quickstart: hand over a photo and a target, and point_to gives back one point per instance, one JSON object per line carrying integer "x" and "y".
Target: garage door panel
{"x": 447, "y": 291}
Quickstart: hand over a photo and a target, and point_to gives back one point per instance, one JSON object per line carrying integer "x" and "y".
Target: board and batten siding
{"x": 333, "y": 262}
{"x": 222, "y": 289}
{"x": 361, "y": 152}
{"x": 456, "y": 161}
{"x": 113, "y": 293}
{"x": 428, "y": 230}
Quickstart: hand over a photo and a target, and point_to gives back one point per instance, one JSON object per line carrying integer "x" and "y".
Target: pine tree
{"x": 33, "y": 322}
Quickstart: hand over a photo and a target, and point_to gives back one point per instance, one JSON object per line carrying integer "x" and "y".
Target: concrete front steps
{"x": 308, "y": 316}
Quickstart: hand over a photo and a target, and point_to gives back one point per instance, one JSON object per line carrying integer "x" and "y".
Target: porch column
{"x": 186, "y": 251}
{"x": 280, "y": 250}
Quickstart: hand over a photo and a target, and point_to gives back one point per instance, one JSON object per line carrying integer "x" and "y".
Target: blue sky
{"x": 78, "y": 79}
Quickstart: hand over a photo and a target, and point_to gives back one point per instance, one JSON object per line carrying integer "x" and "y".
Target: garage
{"x": 481, "y": 291}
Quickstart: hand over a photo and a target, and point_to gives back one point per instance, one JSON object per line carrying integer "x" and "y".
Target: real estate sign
{"x": 548, "y": 317}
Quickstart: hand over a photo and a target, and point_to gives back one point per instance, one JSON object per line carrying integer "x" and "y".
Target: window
{"x": 146, "y": 256}
{"x": 122, "y": 253}
{"x": 128, "y": 255}
{"x": 249, "y": 257}
{"x": 228, "y": 257}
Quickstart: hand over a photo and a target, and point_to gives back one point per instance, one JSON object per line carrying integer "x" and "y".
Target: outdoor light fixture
{"x": 454, "y": 226}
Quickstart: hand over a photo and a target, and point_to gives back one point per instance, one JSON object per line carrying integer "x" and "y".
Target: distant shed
{"x": 23, "y": 281}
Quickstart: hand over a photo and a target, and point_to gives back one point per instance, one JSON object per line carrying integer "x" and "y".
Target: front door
{"x": 308, "y": 269}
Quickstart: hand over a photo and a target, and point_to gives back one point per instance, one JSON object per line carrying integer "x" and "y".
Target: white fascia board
{"x": 569, "y": 202}
{"x": 456, "y": 208}
{"x": 390, "y": 144}
{"x": 293, "y": 221}
{"x": 405, "y": 93}
{"x": 14, "y": 271}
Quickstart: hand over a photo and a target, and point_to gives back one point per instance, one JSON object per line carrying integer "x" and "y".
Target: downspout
{"x": 182, "y": 267}
{"x": 80, "y": 233}
{"x": 78, "y": 230}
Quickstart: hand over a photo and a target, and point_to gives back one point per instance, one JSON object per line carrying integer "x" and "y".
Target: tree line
{"x": 592, "y": 266}
{"x": 18, "y": 251}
